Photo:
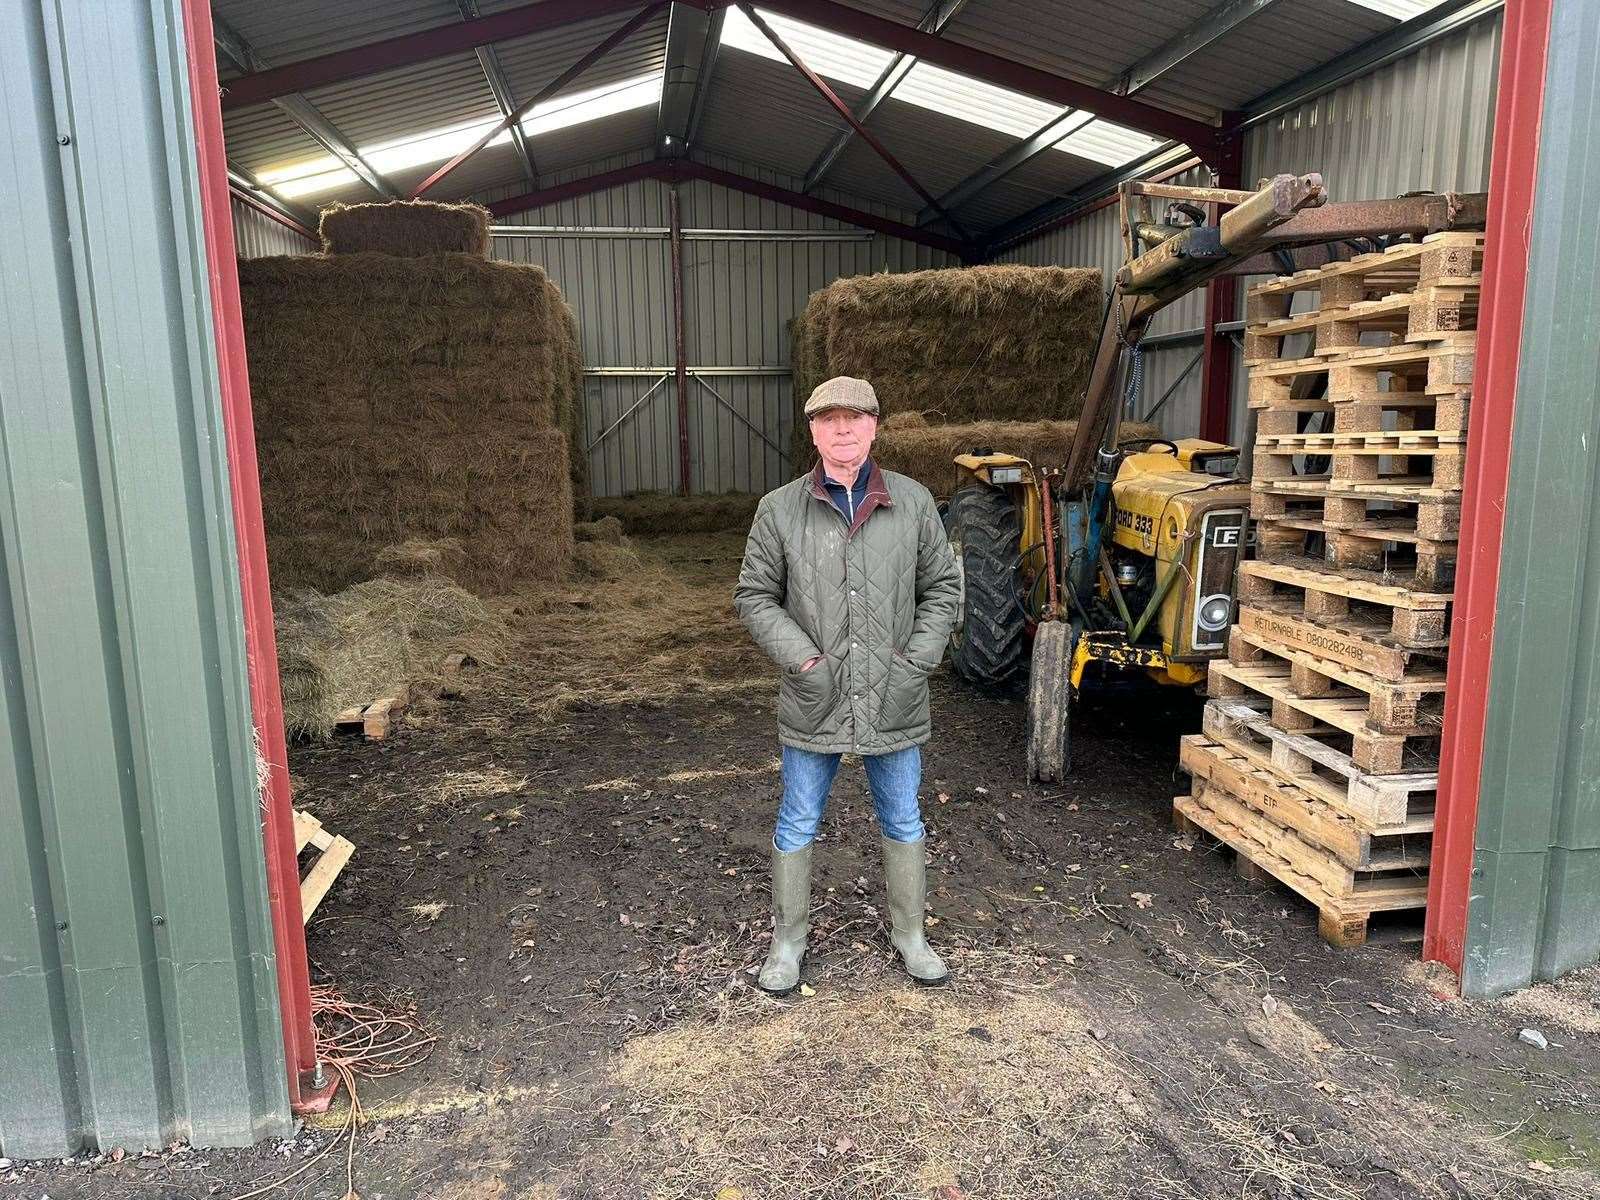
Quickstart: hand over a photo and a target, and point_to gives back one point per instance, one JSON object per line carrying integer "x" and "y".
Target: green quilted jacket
{"x": 876, "y": 599}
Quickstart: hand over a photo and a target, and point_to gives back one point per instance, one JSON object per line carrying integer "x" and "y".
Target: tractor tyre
{"x": 1050, "y": 703}
{"x": 988, "y": 644}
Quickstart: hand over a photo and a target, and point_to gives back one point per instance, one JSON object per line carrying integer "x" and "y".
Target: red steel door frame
{"x": 1222, "y": 303}
{"x": 1523, "y": 53}
{"x": 266, "y": 701}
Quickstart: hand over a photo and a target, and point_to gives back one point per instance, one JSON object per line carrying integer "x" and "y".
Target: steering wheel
{"x": 1152, "y": 443}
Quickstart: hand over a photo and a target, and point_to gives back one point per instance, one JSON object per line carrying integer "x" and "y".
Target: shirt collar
{"x": 864, "y": 474}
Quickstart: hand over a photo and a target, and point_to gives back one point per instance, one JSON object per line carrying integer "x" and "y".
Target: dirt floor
{"x": 575, "y": 911}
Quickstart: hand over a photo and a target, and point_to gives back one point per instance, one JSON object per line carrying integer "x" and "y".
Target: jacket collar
{"x": 877, "y": 494}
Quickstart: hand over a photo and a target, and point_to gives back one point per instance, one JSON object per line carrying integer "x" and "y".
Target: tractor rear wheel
{"x": 988, "y": 643}
{"x": 1050, "y": 703}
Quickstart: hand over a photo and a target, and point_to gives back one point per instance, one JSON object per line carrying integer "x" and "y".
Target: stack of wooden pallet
{"x": 1319, "y": 761}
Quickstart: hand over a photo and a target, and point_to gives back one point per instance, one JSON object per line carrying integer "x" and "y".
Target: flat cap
{"x": 843, "y": 392}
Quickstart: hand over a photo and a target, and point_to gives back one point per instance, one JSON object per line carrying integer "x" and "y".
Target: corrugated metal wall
{"x": 1424, "y": 121}
{"x": 1535, "y": 904}
{"x": 739, "y": 296}
{"x": 137, "y": 997}
{"x": 257, "y": 235}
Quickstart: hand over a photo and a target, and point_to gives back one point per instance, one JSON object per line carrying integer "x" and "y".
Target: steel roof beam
{"x": 826, "y": 208}
{"x": 940, "y": 14}
{"x": 1146, "y": 71}
{"x": 607, "y": 44}
{"x": 840, "y": 107}
{"x": 693, "y": 38}
{"x": 583, "y": 186}
{"x": 1185, "y": 45}
{"x": 1161, "y": 163}
{"x": 1403, "y": 39}
{"x": 489, "y": 61}
{"x": 1003, "y": 72}
{"x": 412, "y": 48}
{"x": 679, "y": 170}
{"x": 301, "y": 111}
{"x": 1023, "y": 152}
{"x": 262, "y": 198}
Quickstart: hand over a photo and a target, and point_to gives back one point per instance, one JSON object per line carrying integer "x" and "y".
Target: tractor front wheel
{"x": 986, "y": 647}
{"x": 1050, "y": 703}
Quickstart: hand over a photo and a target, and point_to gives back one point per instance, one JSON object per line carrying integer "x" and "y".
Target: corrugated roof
{"x": 286, "y": 31}
{"x": 764, "y": 112}
{"x": 1278, "y": 45}
{"x": 761, "y": 111}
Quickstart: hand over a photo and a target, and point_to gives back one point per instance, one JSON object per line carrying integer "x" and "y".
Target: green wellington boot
{"x": 791, "y": 920}
{"x": 905, "y": 865}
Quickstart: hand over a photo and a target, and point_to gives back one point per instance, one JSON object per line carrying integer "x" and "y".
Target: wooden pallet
{"x": 1360, "y": 601}
{"x": 1437, "y": 312}
{"x": 1292, "y": 807}
{"x": 1388, "y": 723}
{"x": 1407, "y": 506}
{"x": 1378, "y": 802}
{"x": 1378, "y": 628}
{"x": 1360, "y": 650}
{"x": 1414, "y": 705}
{"x": 1411, "y": 375}
{"x": 374, "y": 721}
{"x": 1422, "y": 456}
{"x": 1391, "y": 412}
{"x": 333, "y": 853}
{"x": 1385, "y": 545}
{"x": 1437, "y": 259}
{"x": 1345, "y": 898}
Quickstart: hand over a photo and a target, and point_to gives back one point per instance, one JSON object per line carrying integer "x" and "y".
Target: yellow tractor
{"x": 1143, "y": 583}
{"x": 1126, "y": 556}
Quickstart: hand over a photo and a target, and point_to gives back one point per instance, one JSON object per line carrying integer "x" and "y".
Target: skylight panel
{"x": 949, "y": 93}
{"x": 827, "y": 53}
{"x": 1400, "y": 10}
{"x": 1107, "y": 142}
{"x": 942, "y": 91}
{"x": 314, "y": 176}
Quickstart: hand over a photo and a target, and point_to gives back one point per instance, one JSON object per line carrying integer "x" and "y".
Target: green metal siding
{"x": 1535, "y": 906}
{"x": 136, "y": 966}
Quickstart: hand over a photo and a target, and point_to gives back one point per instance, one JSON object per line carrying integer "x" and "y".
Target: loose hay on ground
{"x": 896, "y": 1093}
{"x": 629, "y": 628}
{"x": 368, "y": 641}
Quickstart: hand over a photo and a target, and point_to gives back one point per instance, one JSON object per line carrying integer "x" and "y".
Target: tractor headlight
{"x": 999, "y": 475}
{"x": 1215, "y": 612}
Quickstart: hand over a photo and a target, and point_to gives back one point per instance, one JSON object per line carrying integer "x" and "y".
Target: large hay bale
{"x": 368, "y": 641}
{"x": 908, "y": 444}
{"x": 411, "y": 398}
{"x": 993, "y": 343}
{"x": 407, "y": 228}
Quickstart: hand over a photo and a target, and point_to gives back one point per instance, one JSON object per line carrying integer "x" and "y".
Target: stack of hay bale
{"x": 1320, "y": 759}
{"x": 405, "y": 387}
{"x": 995, "y": 356}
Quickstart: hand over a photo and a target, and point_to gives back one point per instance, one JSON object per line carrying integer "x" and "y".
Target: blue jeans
{"x": 808, "y": 776}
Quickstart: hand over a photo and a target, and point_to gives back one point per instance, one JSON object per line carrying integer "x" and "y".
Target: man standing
{"x": 849, "y": 586}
